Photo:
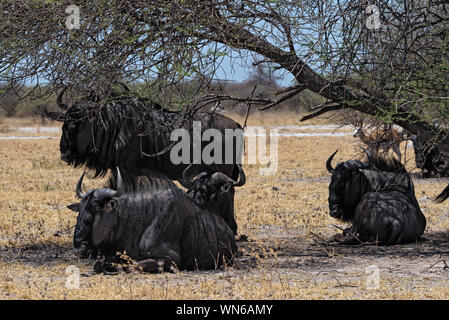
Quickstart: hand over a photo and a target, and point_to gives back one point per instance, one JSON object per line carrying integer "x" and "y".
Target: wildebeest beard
{"x": 132, "y": 134}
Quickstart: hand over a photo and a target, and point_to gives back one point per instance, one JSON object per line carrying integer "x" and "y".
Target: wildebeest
{"x": 430, "y": 159}
{"x": 378, "y": 197}
{"x": 134, "y": 133}
{"x": 159, "y": 228}
{"x": 154, "y": 181}
{"x": 213, "y": 190}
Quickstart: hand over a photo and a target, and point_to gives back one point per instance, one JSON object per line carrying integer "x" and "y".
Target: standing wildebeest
{"x": 160, "y": 228}
{"x": 378, "y": 197}
{"x": 135, "y": 134}
{"x": 214, "y": 190}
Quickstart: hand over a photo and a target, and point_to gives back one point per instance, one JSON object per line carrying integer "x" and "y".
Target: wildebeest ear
{"x": 226, "y": 187}
{"x": 74, "y": 207}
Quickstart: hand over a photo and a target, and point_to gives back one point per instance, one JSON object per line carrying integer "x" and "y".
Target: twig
{"x": 344, "y": 285}
{"x": 350, "y": 234}
{"x": 446, "y": 266}
{"x": 320, "y": 112}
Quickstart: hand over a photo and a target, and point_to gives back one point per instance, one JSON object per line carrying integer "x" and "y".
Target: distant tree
{"x": 8, "y": 100}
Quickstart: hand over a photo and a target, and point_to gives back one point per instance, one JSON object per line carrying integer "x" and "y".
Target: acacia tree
{"x": 388, "y": 60}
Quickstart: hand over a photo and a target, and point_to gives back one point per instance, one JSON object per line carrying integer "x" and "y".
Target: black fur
{"x": 378, "y": 198}
{"x": 155, "y": 223}
{"x": 124, "y": 133}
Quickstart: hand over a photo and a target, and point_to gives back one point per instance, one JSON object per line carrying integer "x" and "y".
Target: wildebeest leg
{"x": 105, "y": 266}
{"x": 230, "y": 219}
{"x": 161, "y": 240}
{"x": 348, "y": 237}
{"x": 157, "y": 265}
{"x": 395, "y": 232}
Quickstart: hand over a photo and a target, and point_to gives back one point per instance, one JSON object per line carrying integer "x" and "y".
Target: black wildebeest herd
{"x": 140, "y": 212}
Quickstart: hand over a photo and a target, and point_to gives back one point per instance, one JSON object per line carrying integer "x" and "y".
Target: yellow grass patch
{"x": 285, "y": 216}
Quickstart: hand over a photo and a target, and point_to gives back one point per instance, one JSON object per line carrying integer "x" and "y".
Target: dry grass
{"x": 285, "y": 217}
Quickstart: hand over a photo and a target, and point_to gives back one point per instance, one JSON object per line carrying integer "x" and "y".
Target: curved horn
{"x": 219, "y": 177}
{"x": 368, "y": 154}
{"x": 187, "y": 177}
{"x": 78, "y": 190}
{"x": 109, "y": 193}
{"x": 62, "y": 105}
{"x": 329, "y": 162}
{"x": 57, "y": 116}
{"x": 120, "y": 185}
{"x": 242, "y": 178}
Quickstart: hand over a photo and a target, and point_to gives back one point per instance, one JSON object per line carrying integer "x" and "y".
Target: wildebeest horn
{"x": 57, "y": 116}
{"x": 109, "y": 193}
{"x": 242, "y": 178}
{"x": 219, "y": 177}
{"x": 368, "y": 154}
{"x": 61, "y": 104}
{"x": 186, "y": 181}
{"x": 329, "y": 162}
{"x": 187, "y": 177}
{"x": 78, "y": 190}
{"x": 120, "y": 186}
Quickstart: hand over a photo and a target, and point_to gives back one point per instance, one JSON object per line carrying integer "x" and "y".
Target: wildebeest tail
{"x": 443, "y": 195}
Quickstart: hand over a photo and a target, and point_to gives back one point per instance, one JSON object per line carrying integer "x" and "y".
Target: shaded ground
{"x": 285, "y": 217}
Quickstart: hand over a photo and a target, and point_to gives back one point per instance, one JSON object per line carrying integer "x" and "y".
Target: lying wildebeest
{"x": 134, "y": 133}
{"x": 214, "y": 191}
{"x": 378, "y": 197}
{"x": 432, "y": 161}
{"x": 154, "y": 181}
{"x": 158, "y": 228}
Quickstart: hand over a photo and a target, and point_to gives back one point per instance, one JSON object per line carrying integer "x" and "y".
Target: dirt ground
{"x": 285, "y": 217}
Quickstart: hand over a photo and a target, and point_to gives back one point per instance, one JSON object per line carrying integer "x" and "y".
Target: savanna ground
{"x": 285, "y": 217}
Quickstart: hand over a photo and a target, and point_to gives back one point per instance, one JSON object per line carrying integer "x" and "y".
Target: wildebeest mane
{"x": 387, "y": 164}
{"x": 115, "y": 124}
{"x": 146, "y": 182}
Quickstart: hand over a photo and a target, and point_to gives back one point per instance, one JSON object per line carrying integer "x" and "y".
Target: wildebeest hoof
{"x": 243, "y": 238}
{"x": 343, "y": 239}
{"x": 99, "y": 267}
{"x": 335, "y": 237}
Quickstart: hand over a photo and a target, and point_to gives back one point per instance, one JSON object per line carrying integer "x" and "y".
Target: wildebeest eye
{"x": 111, "y": 204}
{"x": 95, "y": 208}
{"x": 226, "y": 187}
